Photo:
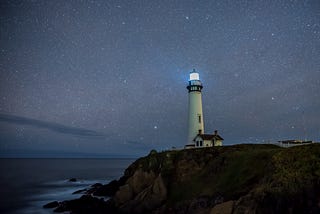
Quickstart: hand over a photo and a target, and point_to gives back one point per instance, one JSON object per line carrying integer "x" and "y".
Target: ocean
{"x": 27, "y": 184}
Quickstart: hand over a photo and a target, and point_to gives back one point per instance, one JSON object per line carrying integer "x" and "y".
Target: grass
{"x": 225, "y": 171}
{"x": 233, "y": 171}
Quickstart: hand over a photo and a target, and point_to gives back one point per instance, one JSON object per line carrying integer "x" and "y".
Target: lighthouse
{"x": 195, "y": 117}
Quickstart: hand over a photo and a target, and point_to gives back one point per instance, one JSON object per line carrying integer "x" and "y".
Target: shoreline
{"x": 31, "y": 183}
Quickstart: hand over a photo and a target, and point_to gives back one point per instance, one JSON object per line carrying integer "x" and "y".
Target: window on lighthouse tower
{"x": 199, "y": 117}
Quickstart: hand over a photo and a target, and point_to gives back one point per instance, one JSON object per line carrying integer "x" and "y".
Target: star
{"x": 107, "y": 67}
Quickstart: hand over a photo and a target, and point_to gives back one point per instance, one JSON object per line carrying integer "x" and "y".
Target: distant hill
{"x": 247, "y": 178}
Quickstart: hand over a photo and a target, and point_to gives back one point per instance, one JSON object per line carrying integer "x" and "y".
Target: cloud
{"x": 59, "y": 128}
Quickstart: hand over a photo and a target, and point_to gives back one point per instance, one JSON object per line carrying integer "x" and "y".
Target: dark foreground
{"x": 233, "y": 179}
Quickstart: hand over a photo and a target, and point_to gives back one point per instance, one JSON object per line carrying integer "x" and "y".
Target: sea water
{"x": 28, "y": 184}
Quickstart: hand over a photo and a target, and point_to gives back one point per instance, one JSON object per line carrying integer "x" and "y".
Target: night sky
{"x": 108, "y": 78}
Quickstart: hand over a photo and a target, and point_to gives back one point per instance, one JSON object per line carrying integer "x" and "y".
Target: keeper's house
{"x": 208, "y": 140}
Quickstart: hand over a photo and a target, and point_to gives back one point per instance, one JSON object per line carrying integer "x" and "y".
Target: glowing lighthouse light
{"x": 194, "y": 75}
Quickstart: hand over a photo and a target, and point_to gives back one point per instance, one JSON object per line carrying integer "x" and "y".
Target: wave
{"x": 58, "y": 190}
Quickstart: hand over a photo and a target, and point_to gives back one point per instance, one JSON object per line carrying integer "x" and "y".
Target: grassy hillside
{"x": 268, "y": 172}
{"x": 230, "y": 179}
{"x": 230, "y": 171}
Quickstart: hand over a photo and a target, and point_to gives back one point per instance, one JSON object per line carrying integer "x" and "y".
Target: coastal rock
{"x": 123, "y": 195}
{"x": 106, "y": 190}
{"x": 235, "y": 179}
{"x": 183, "y": 169}
{"x": 134, "y": 185}
{"x": 51, "y": 204}
{"x": 80, "y": 191}
{"x": 306, "y": 200}
{"x": 148, "y": 199}
{"x": 159, "y": 188}
{"x": 96, "y": 185}
{"x": 140, "y": 180}
{"x": 247, "y": 204}
{"x": 223, "y": 208}
{"x": 72, "y": 180}
{"x": 85, "y": 204}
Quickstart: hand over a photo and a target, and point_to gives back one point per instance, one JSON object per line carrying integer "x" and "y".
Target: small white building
{"x": 290, "y": 143}
{"x": 208, "y": 140}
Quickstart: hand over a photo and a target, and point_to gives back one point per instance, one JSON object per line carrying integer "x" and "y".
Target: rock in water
{"x": 72, "y": 179}
{"x": 96, "y": 185}
{"x": 80, "y": 191}
{"x": 104, "y": 190}
{"x": 51, "y": 204}
{"x": 85, "y": 204}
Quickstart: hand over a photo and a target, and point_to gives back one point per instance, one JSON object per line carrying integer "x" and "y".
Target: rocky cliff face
{"x": 232, "y": 179}
{"x": 144, "y": 191}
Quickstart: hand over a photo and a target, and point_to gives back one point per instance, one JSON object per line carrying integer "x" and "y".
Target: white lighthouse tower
{"x": 195, "y": 120}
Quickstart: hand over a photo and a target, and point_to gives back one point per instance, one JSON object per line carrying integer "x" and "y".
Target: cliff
{"x": 230, "y": 179}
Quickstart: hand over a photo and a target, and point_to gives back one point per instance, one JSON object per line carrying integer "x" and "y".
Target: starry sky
{"x": 108, "y": 78}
